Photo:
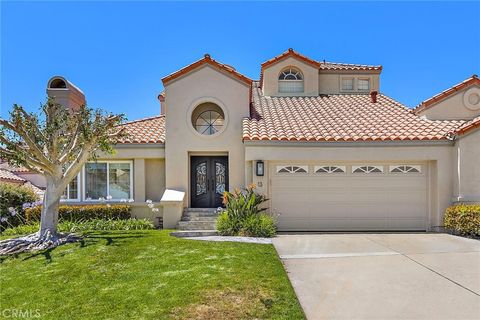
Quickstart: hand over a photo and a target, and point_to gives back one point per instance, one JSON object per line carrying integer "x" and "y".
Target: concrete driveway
{"x": 383, "y": 276}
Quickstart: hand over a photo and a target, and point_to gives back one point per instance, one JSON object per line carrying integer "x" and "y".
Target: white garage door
{"x": 349, "y": 197}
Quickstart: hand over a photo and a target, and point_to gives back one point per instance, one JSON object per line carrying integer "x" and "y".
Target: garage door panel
{"x": 350, "y": 201}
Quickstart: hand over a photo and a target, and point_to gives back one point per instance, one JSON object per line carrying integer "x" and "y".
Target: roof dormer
{"x": 290, "y": 74}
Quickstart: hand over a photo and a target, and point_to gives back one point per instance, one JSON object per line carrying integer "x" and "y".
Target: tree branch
{"x": 32, "y": 146}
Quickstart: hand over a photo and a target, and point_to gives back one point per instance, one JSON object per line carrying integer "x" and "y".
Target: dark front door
{"x": 209, "y": 180}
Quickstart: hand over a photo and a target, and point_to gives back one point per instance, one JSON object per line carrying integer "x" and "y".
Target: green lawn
{"x": 149, "y": 275}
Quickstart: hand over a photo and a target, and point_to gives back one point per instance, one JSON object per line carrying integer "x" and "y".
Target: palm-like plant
{"x": 242, "y": 204}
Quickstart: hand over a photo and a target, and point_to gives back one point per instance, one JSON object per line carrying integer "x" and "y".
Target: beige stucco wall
{"x": 330, "y": 83}
{"x": 271, "y": 73}
{"x": 467, "y": 167}
{"x": 439, "y": 160}
{"x": 182, "y": 96}
{"x": 154, "y": 179}
{"x": 452, "y": 107}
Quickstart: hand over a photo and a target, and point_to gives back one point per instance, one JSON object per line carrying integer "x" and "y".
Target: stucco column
{"x": 172, "y": 203}
{"x": 139, "y": 180}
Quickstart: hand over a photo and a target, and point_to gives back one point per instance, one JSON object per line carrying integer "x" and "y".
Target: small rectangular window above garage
{"x": 292, "y": 169}
{"x": 329, "y": 169}
{"x": 363, "y": 84}
{"x": 367, "y": 169}
{"x": 405, "y": 169}
{"x": 347, "y": 84}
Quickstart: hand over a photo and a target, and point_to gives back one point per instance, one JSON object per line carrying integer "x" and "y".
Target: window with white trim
{"x": 329, "y": 169}
{"x": 110, "y": 180}
{"x": 347, "y": 84}
{"x": 364, "y": 84}
{"x": 367, "y": 169}
{"x": 292, "y": 169}
{"x": 290, "y": 80}
{"x": 72, "y": 191}
{"x": 406, "y": 169}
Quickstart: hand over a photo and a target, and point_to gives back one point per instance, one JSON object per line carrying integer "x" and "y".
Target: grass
{"x": 149, "y": 275}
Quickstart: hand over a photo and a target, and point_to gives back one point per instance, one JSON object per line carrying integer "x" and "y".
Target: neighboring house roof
{"x": 10, "y": 176}
{"x": 147, "y": 130}
{"x": 468, "y": 126}
{"x": 351, "y": 117}
{"x": 424, "y": 105}
{"x": 207, "y": 60}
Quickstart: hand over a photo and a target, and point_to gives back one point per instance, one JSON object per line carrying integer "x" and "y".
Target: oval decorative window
{"x": 208, "y": 119}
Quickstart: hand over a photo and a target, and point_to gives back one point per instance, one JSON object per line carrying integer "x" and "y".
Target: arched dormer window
{"x": 290, "y": 80}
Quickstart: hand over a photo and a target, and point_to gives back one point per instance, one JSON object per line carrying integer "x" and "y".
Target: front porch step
{"x": 194, "y": 233}
{"x": 198, "y": 219}
{"x": 196, "y": 225}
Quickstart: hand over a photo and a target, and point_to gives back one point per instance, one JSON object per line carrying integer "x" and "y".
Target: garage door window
{"x": 405, "y": 169}
{"x": 367, "y": 169}
{"x": 292, "y": 169}
{"x": 329, "y": 169}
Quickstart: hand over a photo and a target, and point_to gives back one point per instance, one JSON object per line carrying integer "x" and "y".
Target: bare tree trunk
{"x": 51, "y": 203}
{"x": 47, "y": 237}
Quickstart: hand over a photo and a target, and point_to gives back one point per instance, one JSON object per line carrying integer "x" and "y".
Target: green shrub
{"x": 83, "y": 212}
{"x": 82, "y": 226}
{"x": 463, "y": 219}
{"x": 21, "y": 229}
{"x": 261, "y": 225}
{"x": 12, "y": 198}
{"x": 243, "y": 215}
{"x": 227, "y": 226}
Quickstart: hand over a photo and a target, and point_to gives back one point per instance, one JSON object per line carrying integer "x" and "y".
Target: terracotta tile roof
{"x": 10, "y": 176}
{"x": 207, "y": 60}
{"x": 290, "y": 53}
{"x": 327, "y": 66}
{"x": 348, "y": 66}
{"x": 473, "y": 80}
{"x": 148, "y": 130}
{"x": 319, "y": 65}
{"x": 468, "y": 125}
{"x": 339, "y": 118}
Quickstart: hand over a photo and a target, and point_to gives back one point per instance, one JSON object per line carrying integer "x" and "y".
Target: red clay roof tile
{"x": 206, "y": 60}
{"x": 338, "y": 118}
{"x": 148, "y": 130}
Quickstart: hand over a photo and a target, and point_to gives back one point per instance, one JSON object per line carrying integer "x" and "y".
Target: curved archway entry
{"x": 209, "y": 180}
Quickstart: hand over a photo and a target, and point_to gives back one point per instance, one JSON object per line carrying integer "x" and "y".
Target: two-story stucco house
{"x": 329, "y": 150}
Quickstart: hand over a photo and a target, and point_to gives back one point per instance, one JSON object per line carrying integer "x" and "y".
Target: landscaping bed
{"x": 146, "y": 274}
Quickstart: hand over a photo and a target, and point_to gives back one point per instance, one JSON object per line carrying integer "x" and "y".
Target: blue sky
{"x": 117, "y": 52}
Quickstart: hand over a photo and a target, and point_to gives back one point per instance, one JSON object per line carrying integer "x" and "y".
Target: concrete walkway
{"x": 383, "y": 276}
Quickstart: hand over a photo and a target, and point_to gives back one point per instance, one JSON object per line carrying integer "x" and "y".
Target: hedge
{"x": 83, "y": 212}
{"x": 463, "y": 219}
{"x": 12, "y": 196}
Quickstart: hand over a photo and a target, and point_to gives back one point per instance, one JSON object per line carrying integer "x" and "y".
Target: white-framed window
{"x": 367, "y": 169}
{"x": 329, "y": 169}
{"x": 405, "y": 169}
{"x": 72, "y": 192}
{"x": 110, "y": 180}
{"x": 290, "y": 80}
{"x": 292, "y": 169}
{"x": 347, "y": 84}
{"x": 364, "y": 84}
